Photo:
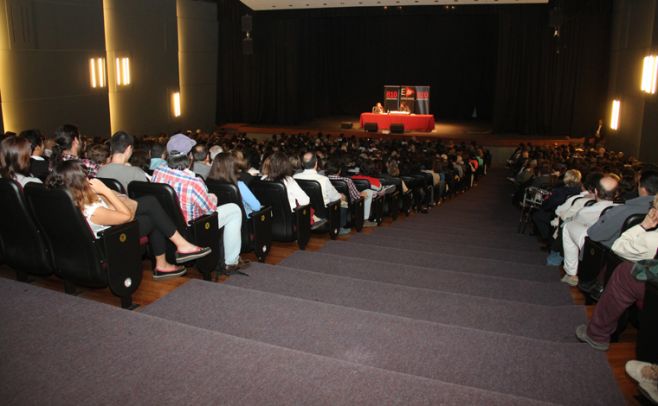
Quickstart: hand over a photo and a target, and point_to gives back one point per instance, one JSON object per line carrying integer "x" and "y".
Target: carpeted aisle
{"x": 455, "y": 296}
{"x": 452, "y": 307}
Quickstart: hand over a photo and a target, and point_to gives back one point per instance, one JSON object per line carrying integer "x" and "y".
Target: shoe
{"x": 344, "y": 231}
{"x": 554, "y": 259}
{"x": 243, "y": 263}
{"x": 158, "y": 274}
{"x": 581, "y": 334}
{"x": 191, "y": 256}
{"x": 368, "y": 223}
{"x": 234, "y": 269}
{"x": 638, "y": 371}
{"x": 570, "y": 280}
{"x": 650, "y": 390}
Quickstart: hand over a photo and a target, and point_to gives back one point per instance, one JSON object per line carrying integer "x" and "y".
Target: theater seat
{"x": 113, "y": 184}
{"x": 23, "y": 245}
{"x": 377, "y": 205}
{"x": 202, "y": 231}
{"x": 287, "y": 226}
{"x": 256, "y": 229}
{"x": 355, "y": 209}
{"x": 113, "y": 260}
{"x": 331, "y": 212}
{"x": 647, "y": 337}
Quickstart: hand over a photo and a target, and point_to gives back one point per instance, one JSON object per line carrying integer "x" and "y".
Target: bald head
{"x": 309, "y": 161}
{"x": 606, "y": 189}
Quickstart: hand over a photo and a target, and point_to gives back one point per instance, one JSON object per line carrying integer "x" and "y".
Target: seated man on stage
{"x": 378, "y": 109}
{"x": 404, "y": 107}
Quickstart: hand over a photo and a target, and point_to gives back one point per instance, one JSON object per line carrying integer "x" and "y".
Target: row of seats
{"x": 42, "y": 232}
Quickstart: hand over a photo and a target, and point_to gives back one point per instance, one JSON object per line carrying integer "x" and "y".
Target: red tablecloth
{"x": 412, "y": 122}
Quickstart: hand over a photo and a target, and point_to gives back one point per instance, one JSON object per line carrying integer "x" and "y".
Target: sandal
{"x": 159, "y": 274}
{"x": 200, "y": 252}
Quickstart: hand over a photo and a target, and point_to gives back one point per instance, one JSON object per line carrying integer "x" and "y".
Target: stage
{"x": 473, "y": 130}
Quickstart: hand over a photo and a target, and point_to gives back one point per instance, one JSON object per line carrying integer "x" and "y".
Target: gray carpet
{"x": 468, "y": 249}
{"x": 550, "y": 292}
{"x": 61, "y": 350}
{"x": 461, "y": 263}
{"x": 522, "y": 319}
{"x": 490, "y": 361}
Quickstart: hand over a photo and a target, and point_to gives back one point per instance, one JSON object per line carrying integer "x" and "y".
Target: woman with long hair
{"x": 103, "y": 208}
{"x": 68, "y": 146}
{"x": 281, "y": 170}
{"x": 15, "y": 160}
{"x": 224, "y": 169}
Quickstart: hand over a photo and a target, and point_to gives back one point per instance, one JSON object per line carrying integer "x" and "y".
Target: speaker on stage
{"x": 371, "y": 127}
{"x": 397, "y": 128}
{"x": 346, "y": 125}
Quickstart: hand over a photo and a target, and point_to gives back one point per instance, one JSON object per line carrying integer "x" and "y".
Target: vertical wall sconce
{"x": 122, "y": 71}
{"x": 97, "y": 72}
{"x": 614, "y": 116}
{"x": 175, "y": 104}
{"x": 650, "y": 74}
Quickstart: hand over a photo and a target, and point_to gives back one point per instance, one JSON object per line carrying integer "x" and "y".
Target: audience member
{"x": 223, "y": 169}
{"x": 121, "y": 145}
{"x": 39, "y": 165}
{"x": 15, "y": 160}
{"x": 103, "y": 208}
{"x": 575, "y": 231}
{"x": 195, "y": 200}
{"x": 201, "y": 164}
{"x": 68, "y": 145}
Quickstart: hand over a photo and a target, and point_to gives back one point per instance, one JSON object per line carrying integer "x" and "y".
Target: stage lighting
{"x": 97, "y": 72}
{"x": 650, "y": 74}
{"x": 175, "y": 104}
{"x": 614, "y": 116}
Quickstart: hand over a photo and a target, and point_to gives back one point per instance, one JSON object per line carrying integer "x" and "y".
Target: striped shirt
{"x": 192, "y": 192}
{"x": 351, "y": 187}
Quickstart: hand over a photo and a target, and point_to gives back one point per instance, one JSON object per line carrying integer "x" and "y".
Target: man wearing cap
{"x": 195, "y": 201}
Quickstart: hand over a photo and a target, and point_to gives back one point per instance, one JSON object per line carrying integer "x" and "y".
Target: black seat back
{"x": 274, "y": 194}
{"x": 331, "y": 212}
{"x": 23, "y": 245}
{"x": 75, "y": 249}
{"x": 113, "y": 184}
{"x": 632, "y": 220}
{"x": 314, "y": 191}
{"x": 257, "y": 228}
{"x": 361, "y": 184}
{"x": 202, "y": 231}
{"x": 355, "y": 208}
{"x": 286, "y": 225}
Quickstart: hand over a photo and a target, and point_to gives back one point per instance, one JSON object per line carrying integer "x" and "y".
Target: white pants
{"x": 367, "y": 202}
{"x": 229, "y": 216}
{"x": 573, "y": 240}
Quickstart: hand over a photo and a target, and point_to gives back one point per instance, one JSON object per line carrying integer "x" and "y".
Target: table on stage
{"x": 412, "y": 122}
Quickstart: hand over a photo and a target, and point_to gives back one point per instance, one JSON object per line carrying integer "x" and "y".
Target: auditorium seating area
{"x": 447, "y": 304}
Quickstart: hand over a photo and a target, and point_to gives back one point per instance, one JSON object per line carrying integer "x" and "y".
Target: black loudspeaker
{"x": 346, "y": 125}
{"x": 370, "y": 127}
{"x": 397, "y": 128}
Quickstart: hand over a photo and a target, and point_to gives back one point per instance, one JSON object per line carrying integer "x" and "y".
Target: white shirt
{"x": 295, "y": 193}
{"x": 587, "y": 216}
{"x": 569, "y": 208}
{"x": 329, "y": 192}
{"x": 89, "y": 211}
{"x": 636, "y": 244}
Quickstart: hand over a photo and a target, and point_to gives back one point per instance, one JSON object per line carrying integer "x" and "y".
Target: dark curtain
{"x": 314, "y": 63}
{"x": 502, "y": 60}
{"x": 552, "y": 85}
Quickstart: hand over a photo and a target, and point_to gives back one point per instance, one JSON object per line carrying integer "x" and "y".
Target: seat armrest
{"x": 123, "y": 255}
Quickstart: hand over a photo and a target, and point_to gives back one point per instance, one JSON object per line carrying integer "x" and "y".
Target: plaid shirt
{"x": 90, "y": 167}
{"x": 354, "y": 192}
{"x": 192, "y": 192}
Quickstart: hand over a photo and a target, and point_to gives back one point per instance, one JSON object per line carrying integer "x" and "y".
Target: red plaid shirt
{"x": 351, "y": 187}
{"x": 192, "y": 193}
